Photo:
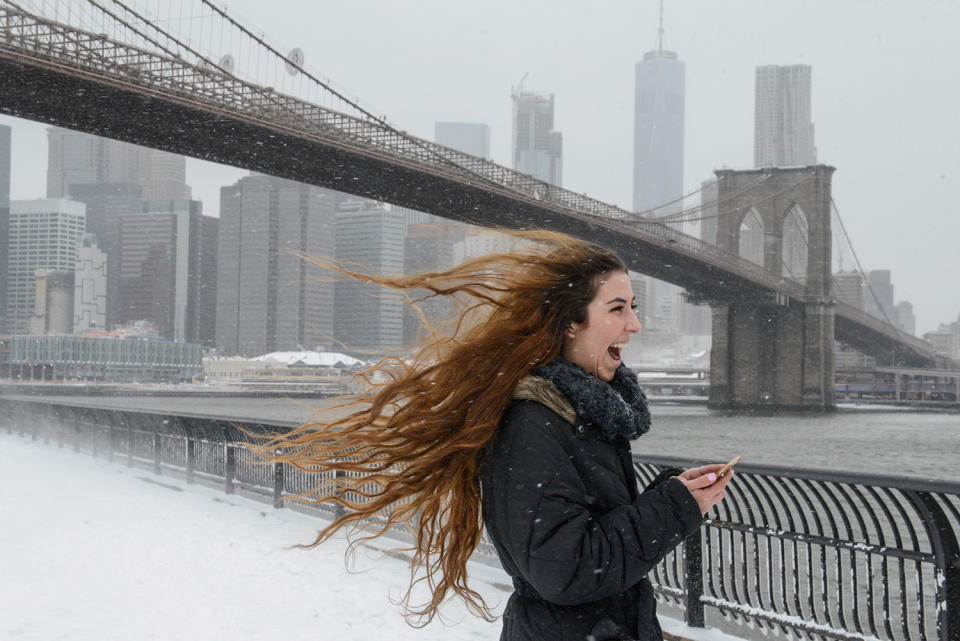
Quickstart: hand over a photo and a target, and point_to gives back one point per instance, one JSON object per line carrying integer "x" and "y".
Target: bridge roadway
{"x": 61, "y": 75}
{"x": 894, "y": 442}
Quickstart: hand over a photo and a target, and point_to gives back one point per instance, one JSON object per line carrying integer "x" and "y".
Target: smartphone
{"x": 726, "y": 468}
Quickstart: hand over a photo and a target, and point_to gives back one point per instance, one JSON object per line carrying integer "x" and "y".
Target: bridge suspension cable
{"x": 856, "y": 259}
{"x": 747, "y": 206}
{"x": 691, "y": 210}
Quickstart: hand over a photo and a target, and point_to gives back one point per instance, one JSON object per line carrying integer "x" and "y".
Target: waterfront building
{"x": 5, "y": 139}
{"x": 43, "y": 235}
{"x": 537, "y": 148}
{"x": 325, "y": 373}
{"x": 783, "y": 126}
{"x": 469, "y": 137}
{"x": 268, "y": 297}
{"x": 90, "y": 285}
{"x": 102, "y": 359}
{"x": 946, "y": 340}
{"x": 368, "y": 319}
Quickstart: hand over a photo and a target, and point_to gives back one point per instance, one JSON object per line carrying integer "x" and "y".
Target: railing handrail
{"x": 898, "y": 482}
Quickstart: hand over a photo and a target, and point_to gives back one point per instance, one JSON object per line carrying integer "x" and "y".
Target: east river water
{"x": 886, "y": 442}
{"x": 897, "y": 443}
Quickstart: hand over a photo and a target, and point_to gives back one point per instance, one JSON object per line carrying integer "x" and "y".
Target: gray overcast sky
{"x": 885, "y": 98}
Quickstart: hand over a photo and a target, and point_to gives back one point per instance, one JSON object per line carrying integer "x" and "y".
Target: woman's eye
{"x": 618, "y": 308}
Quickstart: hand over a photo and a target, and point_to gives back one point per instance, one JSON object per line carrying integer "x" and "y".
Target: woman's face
{"x": 597, "y": 344}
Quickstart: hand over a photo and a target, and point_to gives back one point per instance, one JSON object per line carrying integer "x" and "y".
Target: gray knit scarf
{"x": 613, "y": 410}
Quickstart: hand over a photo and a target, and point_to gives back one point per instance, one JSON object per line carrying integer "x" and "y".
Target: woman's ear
{"x": 571, "y": 331}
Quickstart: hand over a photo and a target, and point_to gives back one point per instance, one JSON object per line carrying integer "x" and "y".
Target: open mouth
{"x": 615, "y": 350}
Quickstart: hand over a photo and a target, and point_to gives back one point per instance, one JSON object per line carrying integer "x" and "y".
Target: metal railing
{"x": 826, "y": 555}
{"x": 803, "y": 553}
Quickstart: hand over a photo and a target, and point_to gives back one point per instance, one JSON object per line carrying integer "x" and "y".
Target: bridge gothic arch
{"x": 794, "y": 235}
{"x": 751, "y": 237}
{"x": 776, "y": 353}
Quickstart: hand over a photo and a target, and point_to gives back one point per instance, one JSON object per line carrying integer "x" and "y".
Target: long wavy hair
{"x": 411, "y": 448}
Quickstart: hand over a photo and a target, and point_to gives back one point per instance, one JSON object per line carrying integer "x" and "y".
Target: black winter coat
{"x": 563, "y": 510}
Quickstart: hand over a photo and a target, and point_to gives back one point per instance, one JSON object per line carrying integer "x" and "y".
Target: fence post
{"x": 191, "y": 459}
{"x": 693, "y": 578}
{"x": 229, "y": 468}
{"x": 129, "y": 445}
{"x": 278, "y": 485}
{"x": 338, "y": 509}
{"x": 156, "y": 451}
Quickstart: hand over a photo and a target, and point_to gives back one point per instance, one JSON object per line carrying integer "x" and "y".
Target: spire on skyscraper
{"x": 660, "y": 31}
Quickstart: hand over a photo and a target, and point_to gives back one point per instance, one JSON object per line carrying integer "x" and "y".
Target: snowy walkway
{"x": 97, "y": 551}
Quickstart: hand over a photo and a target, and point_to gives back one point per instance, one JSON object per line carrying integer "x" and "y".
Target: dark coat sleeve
{"x": 567, "y": 552}
{"x": 664, "y": 474}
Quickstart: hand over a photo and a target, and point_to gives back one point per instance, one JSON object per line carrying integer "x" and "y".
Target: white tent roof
{"x": 316, "y": 359}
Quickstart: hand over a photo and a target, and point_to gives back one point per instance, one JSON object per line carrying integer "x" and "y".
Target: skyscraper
{"x": 267, "y": 298}
{"x": 206, "y": 310}
{"x": 469, "y": 137}
{"x": 4, "y": 222}
{"x": 537, "y": 148}
{"x": 848, "y": 288}
{"x": 658, "y": 132}
{"x": 76, "y": 158}
{"x": 44, "y": 235}
{"x": 369, "y": 318}
{"x": 159, "y": 267}
{"x": 906, "y": 320}
{"x": 90, "y": 285}
{"x": 105, "y": 203}
{"x": 783, "y": 128}
{"x": 879, "y": 301}
{"x": 428, "y": 248}
{"x": 659, "y": 98}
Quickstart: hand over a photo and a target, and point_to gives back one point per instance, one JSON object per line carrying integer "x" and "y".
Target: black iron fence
{"x": 802, "y": 553}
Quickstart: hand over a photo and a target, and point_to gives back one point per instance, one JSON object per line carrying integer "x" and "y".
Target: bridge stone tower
{"x": 776, "y": 351}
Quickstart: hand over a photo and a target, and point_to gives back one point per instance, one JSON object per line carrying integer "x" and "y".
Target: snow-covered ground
{"x": 97, "y": 551}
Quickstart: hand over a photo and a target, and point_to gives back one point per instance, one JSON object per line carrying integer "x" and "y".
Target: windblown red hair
{"x": 411, "y": 451}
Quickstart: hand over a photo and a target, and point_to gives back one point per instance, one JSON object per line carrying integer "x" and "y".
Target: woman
{"x": 523, "y": 408}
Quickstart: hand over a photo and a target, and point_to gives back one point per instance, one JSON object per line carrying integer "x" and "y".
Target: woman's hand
{"x": 703, "y": 484}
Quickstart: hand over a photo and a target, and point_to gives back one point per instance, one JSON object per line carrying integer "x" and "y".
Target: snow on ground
{"x": 91, "y": 550}
{"x": 97, "y": 551}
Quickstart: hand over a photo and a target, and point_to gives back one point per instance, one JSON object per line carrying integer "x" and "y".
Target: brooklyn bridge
{"x": 108, "y": 70}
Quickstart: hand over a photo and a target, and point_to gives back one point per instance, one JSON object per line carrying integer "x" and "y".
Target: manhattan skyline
{"x": 866, "y": 82}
